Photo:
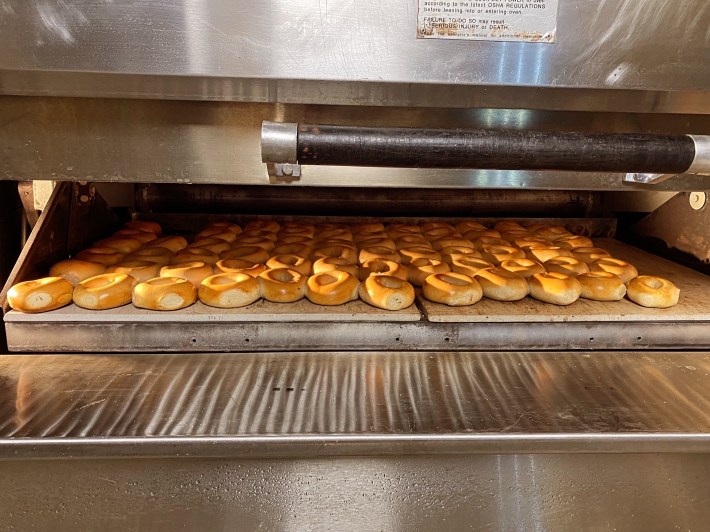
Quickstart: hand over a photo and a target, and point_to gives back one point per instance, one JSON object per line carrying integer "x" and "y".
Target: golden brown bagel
{"x": 420, "y": 269}
{"x": 212, "y": 243}
{"x": 164, "y": 293}
{"x": 555, "y": 288}
{"x": 542, "y": 253}
{"x": 502, "y": 285}
{"x": 143, "y": 225}
{"x": 383, "y": 267}
{"x": 256, "y": 241}
{"x": 253, "y": 233}
{"x": 346, "y": 253}
{"x": 567, "y": 266}
{"x": 143, "y": 236}
{"x": 194, "y": 255}
{"x": 498, "y": 254}
{"x": 300, "y": 264}
{"x": 101, "y": 255}
{"x": 408, "y": 241}
{"x": 525, "y": 268}
{"x": 302, "y": 250}
{"x": 40, "y": 295}
{"x": 470, "y": 225}
{"x": 335, "y": 287}
{"x": 195, "y": 272}
{"x": 372, "y": 227}
{"x": 340, "y": 233}
{"x": 377, "y": 252}
{"x": 386, "y": 292}
{"x": 507, "y": 226}
{"x": 572, "y": 242}
{"x": 262, "y": 225}
{"x": 653, "y": 292}
{"x": 377, "y": 242}
{"x": 160, "y": 256}
{"x": 418, "y": 252}
{"x": 75, "y": 270}
{"x": 551, "y": 232}
{"x": 396, "y": 231}
{"x": 483, "y": 241}
{"x": 250, "y": 253}
{"x": 618, "y": 267}
{"x": 217, "y": 232}
{"x": 229, "y": 290}
{"x": 282, "y": 285}
{"x": 469, "y": 265}
{"x": 104, "y": 291}
{"x": 139, "y": 270}
{"x": 589, "y": 255}
{"x": 602, "y": 286}
{"x": 294, "y": 239}
{"x": 448, "y": 241}
{"x": 240, "y": 266}
{"x": 431, "y": 226}
{"x": 484, "y": 233}
{"x": 326, "y": 264}
{"x": 123, "y": 244}
{"x": 529, "y": 241}
{"x": 173, "y": 243}
{"x": 453, "y": 289}
{"x": 225, "y": 226}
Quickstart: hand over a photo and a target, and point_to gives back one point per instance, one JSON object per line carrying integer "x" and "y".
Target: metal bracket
{"x": 646, "y": 179}
{"x": 280, "y": 173}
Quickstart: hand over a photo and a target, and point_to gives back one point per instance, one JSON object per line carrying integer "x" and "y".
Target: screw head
{"x": 697, "y": 200}
{"x": 287, "y": 169}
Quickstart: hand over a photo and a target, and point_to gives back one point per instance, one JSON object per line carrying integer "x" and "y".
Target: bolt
{"x": 697, "y": 200}
{"x": 287, "y": 169}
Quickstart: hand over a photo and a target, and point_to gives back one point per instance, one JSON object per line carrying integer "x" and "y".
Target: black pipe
{"x": 493, "y": 149}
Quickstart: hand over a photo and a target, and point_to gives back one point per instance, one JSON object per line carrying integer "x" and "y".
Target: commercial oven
{"x": 592, "y": 115}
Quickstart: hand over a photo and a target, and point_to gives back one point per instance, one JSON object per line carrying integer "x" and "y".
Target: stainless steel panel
{"x": 311, "y": 403}
{"x": 657, "y": 45}
{"x": 432, "y": 493}
{"x": 200, "y": 142}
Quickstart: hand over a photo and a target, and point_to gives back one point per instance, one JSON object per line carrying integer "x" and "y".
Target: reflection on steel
{"x": 507, "y": 402}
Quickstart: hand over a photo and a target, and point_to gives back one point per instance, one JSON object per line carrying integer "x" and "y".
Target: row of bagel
{"x": 228, "y": 266}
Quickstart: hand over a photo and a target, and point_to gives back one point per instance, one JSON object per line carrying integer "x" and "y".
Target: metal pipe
{"x": 494, "y": 149}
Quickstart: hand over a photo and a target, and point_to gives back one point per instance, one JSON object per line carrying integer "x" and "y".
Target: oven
{"x": 300, "y": 416}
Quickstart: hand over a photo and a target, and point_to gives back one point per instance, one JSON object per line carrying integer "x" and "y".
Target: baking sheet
{"x": 694, "y": 304}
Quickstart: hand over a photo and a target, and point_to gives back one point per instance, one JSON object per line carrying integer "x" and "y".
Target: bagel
{"x": 572, "y": 242}
{"x": 335, "y": 287}
{"x": 483, "y": 233}
{"x": 195, "y": 272}
{"x": 567, "y": 266}
{"x": 101, "y": 255}
{"x": 512, "y": 236}
{"x": 555, "y": 288}
{"x": 75, "y": 270}
{"x": 602, "y": 286}
{"x": 469, "y": 265}
{"x": 420, "y": 269}
{"x": 418, "y": 252}
{"x": 217, "y": 232}
{"x": 282, "y": 285}
{"x": 326, "y": 264}
{"x": 453, "y": 289}
{"x": 498, "y": 254}
{"x": 441, "y": 232}
{"x": 224, "y": 226}
{"x": 449, "y": 241}
{"x": 653, "y": 292}
{"x": 396, "y": 231}
{"x": 253, "y": 233}
{"x": 372, "y": 227}
{"x": 618, "y": 267}
{"x": 123, "y": 244}
{"x": 502, "y": 285}
{"x": 329, "y": 242}
{"x": 164, "y": 293}
{"x": 294, "y": 239}
{"x": 194, "y": 255}
{"x": 240, "y": 266}
{"x": 508, "y": 226}
{"x": 139, "y": 270}
{"x": 143, "y": 225}
{"x": 528, "y": 241}
{"x": 40, "y": 295}
{"x": 346, "y": 253}
{"x": 432, "y": 226}
{"x": 262, "y": 225}
{"x": 250, "y": 253}
{"x": 525, "y": 268}
{"x": 382, "y": 242}
{"x": 213, "y": 244}
{"x": 297, "y": 228}
{"x": 300, "y": 264}
{"x": 104, "y": 291}
{"x": 174, "y": 243}
{"x": 469, "y": 225}
{"x": 386, "y": 292}
{"x": 302, "y": 250}
{"x": 483, "y": 241}
{"x": 341, "y": 233}
{"x": 551, "y": 232}
{"x": 377, "y": 252}
{"x": 143, "y": 236}
{"x": 255, "y": 241}
{"x": 589, "y": 255}
{"x": 542, "y": 253}
{"x": 229, "y": 290}
{"x": 160, "y": 256}
{"x": 383, "y": 267}
{"x": 408, "y": 241}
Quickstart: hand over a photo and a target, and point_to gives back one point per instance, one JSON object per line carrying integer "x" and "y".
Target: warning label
{"x": 488, "y": 20}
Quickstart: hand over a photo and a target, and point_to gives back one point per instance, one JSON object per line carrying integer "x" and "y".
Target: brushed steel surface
{"x": 578, "y": 402}
{"x": 211, "y": 142}
{"x": 432, "y": 493}
{"x": 604, "y": 44}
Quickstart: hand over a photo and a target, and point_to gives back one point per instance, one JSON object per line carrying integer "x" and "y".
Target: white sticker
{"x": 488, "y": 20}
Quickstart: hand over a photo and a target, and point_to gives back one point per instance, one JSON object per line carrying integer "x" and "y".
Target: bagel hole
{"x": 653, "y": 283}
{"x": 326, "y": 279}
{"x": 451, "y": 279}
{"x": 283, "y": 275}
{"x": 389, "y": 282}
